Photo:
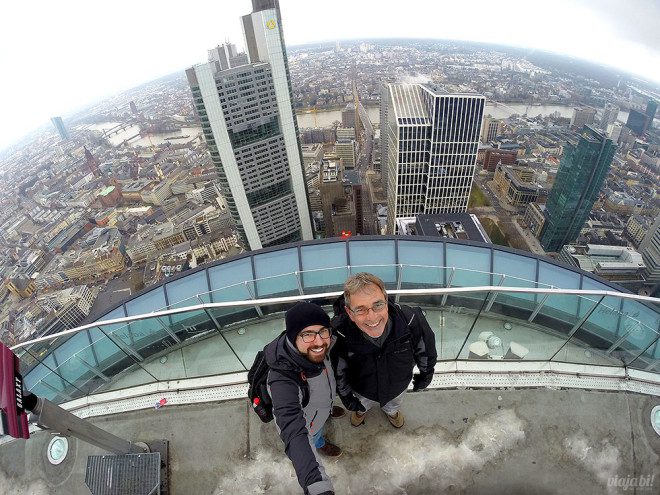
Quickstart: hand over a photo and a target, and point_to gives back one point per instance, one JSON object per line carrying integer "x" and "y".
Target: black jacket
{"x": 381, "y": 374}
{"x": 297, "y": 424}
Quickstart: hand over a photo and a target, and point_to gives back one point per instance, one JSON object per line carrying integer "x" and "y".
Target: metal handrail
{"x": 287, "y": 299}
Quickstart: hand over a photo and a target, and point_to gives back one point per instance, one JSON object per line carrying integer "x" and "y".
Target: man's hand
{"x": 422, "y": 380}
{"x": 352, "y": 403}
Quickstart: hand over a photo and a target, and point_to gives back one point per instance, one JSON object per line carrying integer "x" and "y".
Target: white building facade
{"x": 247, "y": 117}
{"x": 432, "y": 143}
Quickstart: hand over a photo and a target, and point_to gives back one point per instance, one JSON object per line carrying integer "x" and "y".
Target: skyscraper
{"x": 226, "y": 56}
{"x": 61, "y": 129}
{"x": 345, "y": 150}
{"x": 610, "y": 114}
{"x": 650, "y": 251}
{"x": 640, "y": 119}
{"x": 384, "y": 96}
{"x": 651, "y": 108}
{"x": 581, "y": 173}
{"x": 637, "y": 122}
{"x": 247, "y": 117}
{"x": 92, "y": 163}
{"x": 491, "y": 129}
{"x": 432, "y": 141}
{"x": 582, "y": 116}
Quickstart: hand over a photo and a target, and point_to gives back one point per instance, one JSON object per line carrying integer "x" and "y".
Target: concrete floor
{"x": 458, "y": 442}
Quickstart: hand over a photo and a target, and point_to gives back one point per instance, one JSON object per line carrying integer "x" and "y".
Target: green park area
{"x": 477, "y": 197}
{"x": 493, "y": 230}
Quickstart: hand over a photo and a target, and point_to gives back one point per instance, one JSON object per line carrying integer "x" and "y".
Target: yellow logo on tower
{"x": 271, "y": 24}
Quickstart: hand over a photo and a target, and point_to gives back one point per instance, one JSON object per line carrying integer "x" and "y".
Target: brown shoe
{"x": 337, "y": 412}
{"x": 330, "y": 450}
{"x": 357, "y": 419}
{"x": 397, "y": 420}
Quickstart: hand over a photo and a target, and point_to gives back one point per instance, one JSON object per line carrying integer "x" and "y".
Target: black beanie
{"x": 302, "y": 315}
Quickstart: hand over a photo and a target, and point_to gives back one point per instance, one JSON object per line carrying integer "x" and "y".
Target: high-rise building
{"x": 433, "y": 139}
{"x": 614, "y": 132}
{"x": 247, "y": 118}
{"x": 637, "y": 122}
{"x": 494, "y": 156}
{"x": 342, "y": 198}
{"x": 384, "y": 96}
{"x": 651, "y": 108}
{"x": 491, "y": 129}
{"x": 345, "y": 150}
{"x": 582, "y": 116}
{"x": 61, "y": 129}
{"x": 348, "y": 115}
{"x": 581, "y": 173}
{"x": 650, "y": 251}
{"x": 610, "y": 114}
{"x": 92, "y": 162}
{"x": 640, "y": 120}
{"x": 226, "y": 56}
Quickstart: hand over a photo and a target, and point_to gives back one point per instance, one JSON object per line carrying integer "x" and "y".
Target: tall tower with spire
{"x": 247, "y": 117}
{"x": 92, "y": 163}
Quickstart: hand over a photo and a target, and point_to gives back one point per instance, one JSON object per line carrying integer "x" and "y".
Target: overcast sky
{"x": 58, "y": 56}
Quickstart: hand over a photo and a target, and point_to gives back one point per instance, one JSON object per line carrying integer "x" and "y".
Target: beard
{"x": 316, "y": 357}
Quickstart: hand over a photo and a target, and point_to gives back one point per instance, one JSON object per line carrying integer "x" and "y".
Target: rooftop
{"x": 531, "y": 441}
{"x": 548, "y": 402}
{"x": 408, "y": 105}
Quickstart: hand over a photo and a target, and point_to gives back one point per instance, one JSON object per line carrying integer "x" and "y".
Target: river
{"x": 325, "y": 118}
{"x": 184, "y": 135}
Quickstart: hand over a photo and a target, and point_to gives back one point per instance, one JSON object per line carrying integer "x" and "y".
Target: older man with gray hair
{"x": 379, "y": 342}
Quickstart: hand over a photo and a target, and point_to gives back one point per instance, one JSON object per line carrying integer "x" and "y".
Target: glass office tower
{"x": 580, "y": 177}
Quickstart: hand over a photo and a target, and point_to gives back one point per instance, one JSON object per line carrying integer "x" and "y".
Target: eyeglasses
{"x": 310, "y": 336}
{"x": 376, "y": 308}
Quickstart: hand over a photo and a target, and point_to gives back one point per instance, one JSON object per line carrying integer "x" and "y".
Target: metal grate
{"x": 128, "y": 474}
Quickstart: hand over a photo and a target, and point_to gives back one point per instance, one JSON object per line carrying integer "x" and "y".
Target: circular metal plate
{"x": 655, "y": 419}
{"x": 57, "y": 450}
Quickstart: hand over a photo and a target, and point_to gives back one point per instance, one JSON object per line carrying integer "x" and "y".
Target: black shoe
{"x": 330, "y": 450}
{"x": 337, "y": 412}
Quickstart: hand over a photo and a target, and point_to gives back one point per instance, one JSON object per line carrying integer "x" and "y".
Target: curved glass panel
{"x": 523, "y": 326}
{"x": 186, "y": 288}
{"x": 275, "y": 273}
{"x": 230, "y": 274}
{"x": 232, "y": 281}
{"x": 366, "y": 256}
{"x": 520, "y": 271}
{"x": 146, "y": 303}
{"x": 419, "y": 260}
{"x": 472, "y": 265}
{"x": 324, "y": 267}
{"x": 604, "y": 321}
{"x": 638, "y": 329}
{"x": 562, "y": 308}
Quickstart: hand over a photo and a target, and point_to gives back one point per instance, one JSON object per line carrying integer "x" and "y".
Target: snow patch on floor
{"x": 604, "y": 461}
{"x": 391, "y": 461}
{"x": 18, "y": 487}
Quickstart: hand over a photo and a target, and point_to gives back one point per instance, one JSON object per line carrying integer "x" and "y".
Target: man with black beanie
{"x": 300, "y": 412}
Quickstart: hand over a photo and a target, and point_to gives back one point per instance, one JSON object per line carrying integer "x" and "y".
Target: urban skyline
{"x": 175, "y": 173}
{"x": 508, "y": 200}
{"x": 626, "y": 41}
